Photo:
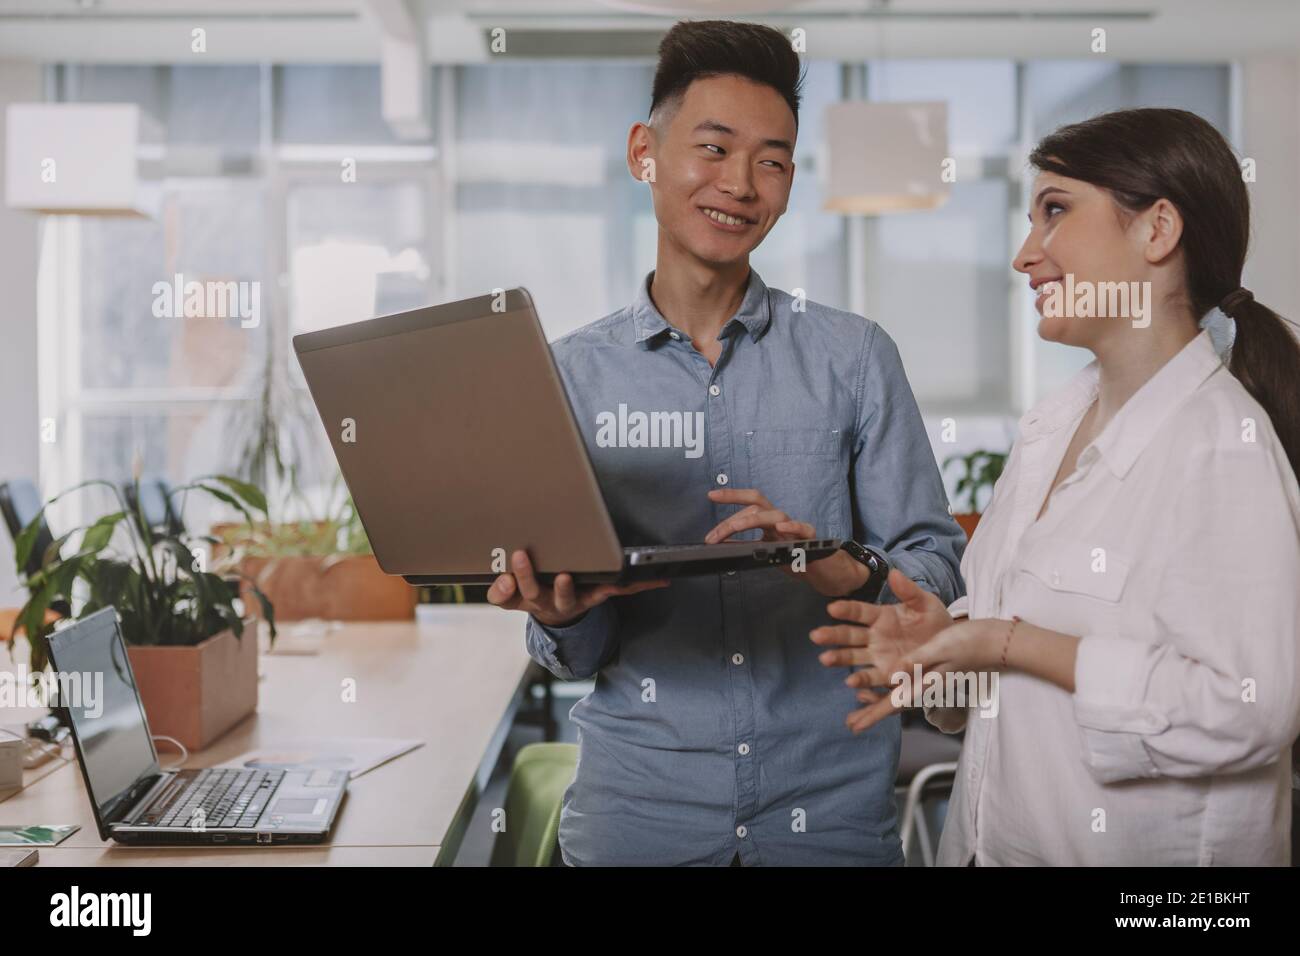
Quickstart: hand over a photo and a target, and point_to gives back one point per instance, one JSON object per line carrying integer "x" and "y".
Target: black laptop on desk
{"x": 137, "y": 802}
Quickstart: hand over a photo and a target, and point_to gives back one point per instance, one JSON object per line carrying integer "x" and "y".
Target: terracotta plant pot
{"x": 334, "y": 588}
{"x": 968, "y": 520}
{"x": 197, "y": 693}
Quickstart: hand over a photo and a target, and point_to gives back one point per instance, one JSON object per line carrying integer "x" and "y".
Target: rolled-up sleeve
{"x": 578, "y": 651}
{"x": 1216, "y": 687}
{"x": 899, "y": 501}
{"x": 951, "y": 719}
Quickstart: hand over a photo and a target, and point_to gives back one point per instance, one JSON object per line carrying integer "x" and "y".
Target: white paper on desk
{"x": 302, "y": 638}
{"x": 356, "y": 755}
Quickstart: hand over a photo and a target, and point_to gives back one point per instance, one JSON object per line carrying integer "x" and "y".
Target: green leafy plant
{"x": 448, "y": 594}
{"x": 270, "y": 434}
{"x": 338, "y": 536}
{"x": 980, "y": 472}
{"x": 163, "y": 594}
{"x": 339, "y": 533}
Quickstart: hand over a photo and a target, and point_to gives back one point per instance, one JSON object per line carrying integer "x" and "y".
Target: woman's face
{"x": 1076, "y": 230}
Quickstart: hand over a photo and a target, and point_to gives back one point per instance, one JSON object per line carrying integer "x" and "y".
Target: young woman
{"x": 1135, "y": 580}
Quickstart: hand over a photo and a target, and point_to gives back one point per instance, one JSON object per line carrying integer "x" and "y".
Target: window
{"x": 543, "y": 195}
{"x": 137, "y": 391}
{"x": 806, "y": 249}
{"x": 935, "y": 281}
{"x": 523, "y": 183}
{"x": 550, "y": 194}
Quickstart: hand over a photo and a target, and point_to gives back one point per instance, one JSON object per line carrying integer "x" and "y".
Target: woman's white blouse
{"x": 1173, "y": 552}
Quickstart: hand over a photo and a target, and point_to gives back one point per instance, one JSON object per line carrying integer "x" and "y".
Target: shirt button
{"x": 741, "y": 831}
{"x": 715, "y": 390}
{"x": 674, "y": 336}
{"x": 722, "y": 478}
{"x": 743, "y": 750}
{"x": 1056, "y": 578}
{"x": 737, "y": 658}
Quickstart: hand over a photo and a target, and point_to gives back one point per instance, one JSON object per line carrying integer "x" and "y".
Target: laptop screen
{"x": 98, "y": 688}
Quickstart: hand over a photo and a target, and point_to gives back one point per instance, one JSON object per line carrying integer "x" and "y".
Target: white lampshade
{"x": 885, "y": 157}
{"x": 78, "y": 158}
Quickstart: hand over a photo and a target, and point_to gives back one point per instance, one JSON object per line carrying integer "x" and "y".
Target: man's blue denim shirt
{"x": 713, "y": 729}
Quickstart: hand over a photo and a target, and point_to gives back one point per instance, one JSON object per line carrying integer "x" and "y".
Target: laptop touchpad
{"x": 296, "y": 805}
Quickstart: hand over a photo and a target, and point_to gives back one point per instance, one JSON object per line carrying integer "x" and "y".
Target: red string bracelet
{"x": 1006, "y": 646}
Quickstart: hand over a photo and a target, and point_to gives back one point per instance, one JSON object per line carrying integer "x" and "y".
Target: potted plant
{"x": 194, "y": 663}
{"x": 980, "y": 472}
{"x": 318, "y": 564}
{"x": 320, "y": 568}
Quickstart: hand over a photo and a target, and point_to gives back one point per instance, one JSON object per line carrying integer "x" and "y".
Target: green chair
{"x": 538, "y": 779}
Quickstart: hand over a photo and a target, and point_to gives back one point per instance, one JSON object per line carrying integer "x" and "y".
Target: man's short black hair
{"x": 695, "y": 49}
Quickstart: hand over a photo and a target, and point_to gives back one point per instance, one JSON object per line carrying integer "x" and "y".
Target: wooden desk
{"x": 454, "y": 685}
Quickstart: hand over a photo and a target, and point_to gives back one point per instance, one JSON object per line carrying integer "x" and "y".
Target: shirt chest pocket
{"x": 1073, "y": 566}
{"x": 804, "y": 472}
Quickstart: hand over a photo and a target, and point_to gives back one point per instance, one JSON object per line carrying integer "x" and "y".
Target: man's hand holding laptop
{"x": 564, "y": 603}
{"x": 559, "y": 605}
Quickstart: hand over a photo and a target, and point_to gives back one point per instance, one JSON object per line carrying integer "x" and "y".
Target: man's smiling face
{"x": 722, "y": 166}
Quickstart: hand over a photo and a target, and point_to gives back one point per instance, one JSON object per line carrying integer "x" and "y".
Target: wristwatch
{"x": 876, "y": 560}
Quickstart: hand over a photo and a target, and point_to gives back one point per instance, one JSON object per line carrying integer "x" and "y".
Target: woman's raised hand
{"x": 878, "y": 636}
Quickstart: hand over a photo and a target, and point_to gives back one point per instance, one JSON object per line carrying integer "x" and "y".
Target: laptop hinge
{"x": 138, "y": 799}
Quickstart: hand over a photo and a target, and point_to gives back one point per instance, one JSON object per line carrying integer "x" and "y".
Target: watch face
{"x": 858, "y": 550}
{"x": 861, "y": 554}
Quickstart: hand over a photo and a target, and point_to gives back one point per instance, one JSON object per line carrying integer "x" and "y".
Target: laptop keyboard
{"x": 228, "y": 798}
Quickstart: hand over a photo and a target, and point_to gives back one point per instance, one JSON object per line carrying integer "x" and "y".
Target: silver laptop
{"x": 458, "y": 444}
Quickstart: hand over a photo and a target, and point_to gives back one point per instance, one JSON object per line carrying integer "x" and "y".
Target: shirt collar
{"x": 1131, "y": 430}
{"x": 754, "y": 314}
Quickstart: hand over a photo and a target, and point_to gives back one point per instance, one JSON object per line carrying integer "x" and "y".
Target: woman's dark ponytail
{"x": 1143, "y": 155}
{"x": 1266, "y": 357}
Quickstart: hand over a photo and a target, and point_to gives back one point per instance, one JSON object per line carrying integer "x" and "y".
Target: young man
{"x": 713, "y": 735}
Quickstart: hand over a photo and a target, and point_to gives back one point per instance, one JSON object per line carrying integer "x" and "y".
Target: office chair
{"x": 155, "y": 501}
{"x": 20, "y": 502}
{"x": 534, "y": 797}
{"x": 927, "y": 767}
